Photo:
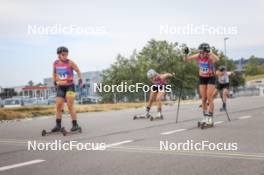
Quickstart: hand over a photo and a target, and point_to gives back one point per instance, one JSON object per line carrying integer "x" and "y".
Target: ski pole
{"x": 179, "y": 102}
{"x": 221, "y": 95}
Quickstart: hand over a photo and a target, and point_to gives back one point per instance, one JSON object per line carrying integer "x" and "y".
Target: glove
{"x": 80, "y": 82}
{"x": 186, "y": 50}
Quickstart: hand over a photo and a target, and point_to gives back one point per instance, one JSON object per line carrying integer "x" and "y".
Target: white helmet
{"x": 151, "y": 73}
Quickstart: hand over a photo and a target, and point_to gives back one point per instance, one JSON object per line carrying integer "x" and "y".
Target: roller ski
{"x": 76, "y": 129}
{"x": 55, "y": 131}
{"x": 204, "y": 119}
{"x": 158, "y": 117}
{"x": 142, "y": 116}
{"x": 199, "y": 124}
{"x": 208, "y": 123}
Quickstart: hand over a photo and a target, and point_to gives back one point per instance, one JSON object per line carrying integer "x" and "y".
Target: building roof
{"x": 30, "y": 88}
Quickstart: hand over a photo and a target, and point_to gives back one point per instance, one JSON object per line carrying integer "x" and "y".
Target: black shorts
{"x": 207, "y": 80}
{"x": 223, "y": 86}
{"x": 157, "y": 88}
{"x": 62, "y": 90}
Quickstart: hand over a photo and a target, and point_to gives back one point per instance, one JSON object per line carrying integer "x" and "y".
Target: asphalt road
{"x": 133, "y": 146}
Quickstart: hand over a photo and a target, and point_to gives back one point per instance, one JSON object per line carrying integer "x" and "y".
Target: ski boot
{"x": 142, "y": 116}
{"x": 75, "y": 128}
{"x": 209, "y": 123}
{"x": 159, "y": 116}
{"x": 199, "y": 124}
{"x": 56, "y": 130}
{"x": 203, "y": 120}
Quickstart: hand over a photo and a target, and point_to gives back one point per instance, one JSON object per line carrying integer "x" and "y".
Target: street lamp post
{"x": 226, "y": 38}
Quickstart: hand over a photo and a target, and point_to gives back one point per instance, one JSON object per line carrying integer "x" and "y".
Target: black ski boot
{"x": 57, "y": 128}
{"x": 75, "y": 126}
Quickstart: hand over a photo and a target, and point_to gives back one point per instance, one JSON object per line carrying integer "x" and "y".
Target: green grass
{"x": 255, "y": 77}
{"x": 36, "y": 111}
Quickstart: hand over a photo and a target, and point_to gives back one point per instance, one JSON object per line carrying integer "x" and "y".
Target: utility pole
{"x": 225, "y": 39}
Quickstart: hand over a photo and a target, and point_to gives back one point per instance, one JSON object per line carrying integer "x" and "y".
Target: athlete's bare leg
{"x": 225, "y": 94}
{"x": 210, "y": 97}
{"x": 159, "y": 98}
{"x": 152, "y": 98}
{"x": 70, "y": 105}
{"x": 59, "y": 107}
{"x": 203, "y": 90}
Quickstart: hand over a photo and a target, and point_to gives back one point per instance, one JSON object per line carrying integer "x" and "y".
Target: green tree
{"x": 254, "y": 67}
{"x": 162, "y": 56}
{"x": 30, "y": 83}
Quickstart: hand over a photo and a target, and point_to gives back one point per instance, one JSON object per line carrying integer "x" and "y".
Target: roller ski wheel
{"x": 206, "y": 125}
{"x": 198, "y": 124}
{"x": 141, "y": 116}
{"x": 156, "y": 118}
{"x": 44, "y": 132}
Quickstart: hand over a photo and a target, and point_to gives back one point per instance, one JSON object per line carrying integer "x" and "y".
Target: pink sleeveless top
{"x": 158, "y": 81}
{"x": 206, "y": 67}
{"x": 64, "y": 72}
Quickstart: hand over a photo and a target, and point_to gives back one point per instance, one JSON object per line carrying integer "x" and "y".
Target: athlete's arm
{"x": 166, "y": 75}
{"x": 54, "y": 75}
{"x": 189, "y": 58}
{"x": 230, "y": 73}
{"x": 213, "y": 57}
{"x": 217, "y": 73}
{"x": 76, "y": 69}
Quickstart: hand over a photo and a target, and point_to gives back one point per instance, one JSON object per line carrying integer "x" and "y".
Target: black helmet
{"x": 204, "y": 47}
{"x": 62, "y": 49}
{"x": 222, "y": 68}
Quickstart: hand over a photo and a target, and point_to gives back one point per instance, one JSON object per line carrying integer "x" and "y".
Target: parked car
{"x": 28, "y": 101}
{"x": 51, "y": 100}
{"x": 1, "y": 103}
{"x": 85, "y": 100}
{"x": 40, "y": 101}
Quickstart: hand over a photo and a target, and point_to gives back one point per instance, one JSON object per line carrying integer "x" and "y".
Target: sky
{"x": 118, "y": 26}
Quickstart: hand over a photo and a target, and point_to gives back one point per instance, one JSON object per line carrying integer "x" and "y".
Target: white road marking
{"x": 26, "y": 119}
{"x": 219, "y": 122}
{"x": 4, "y": 168}
{"x": 233, "y": 155}
{"x": 244, "y": 117}
{"x": 172, "y": 132}
{"x": 118, "y": 143}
